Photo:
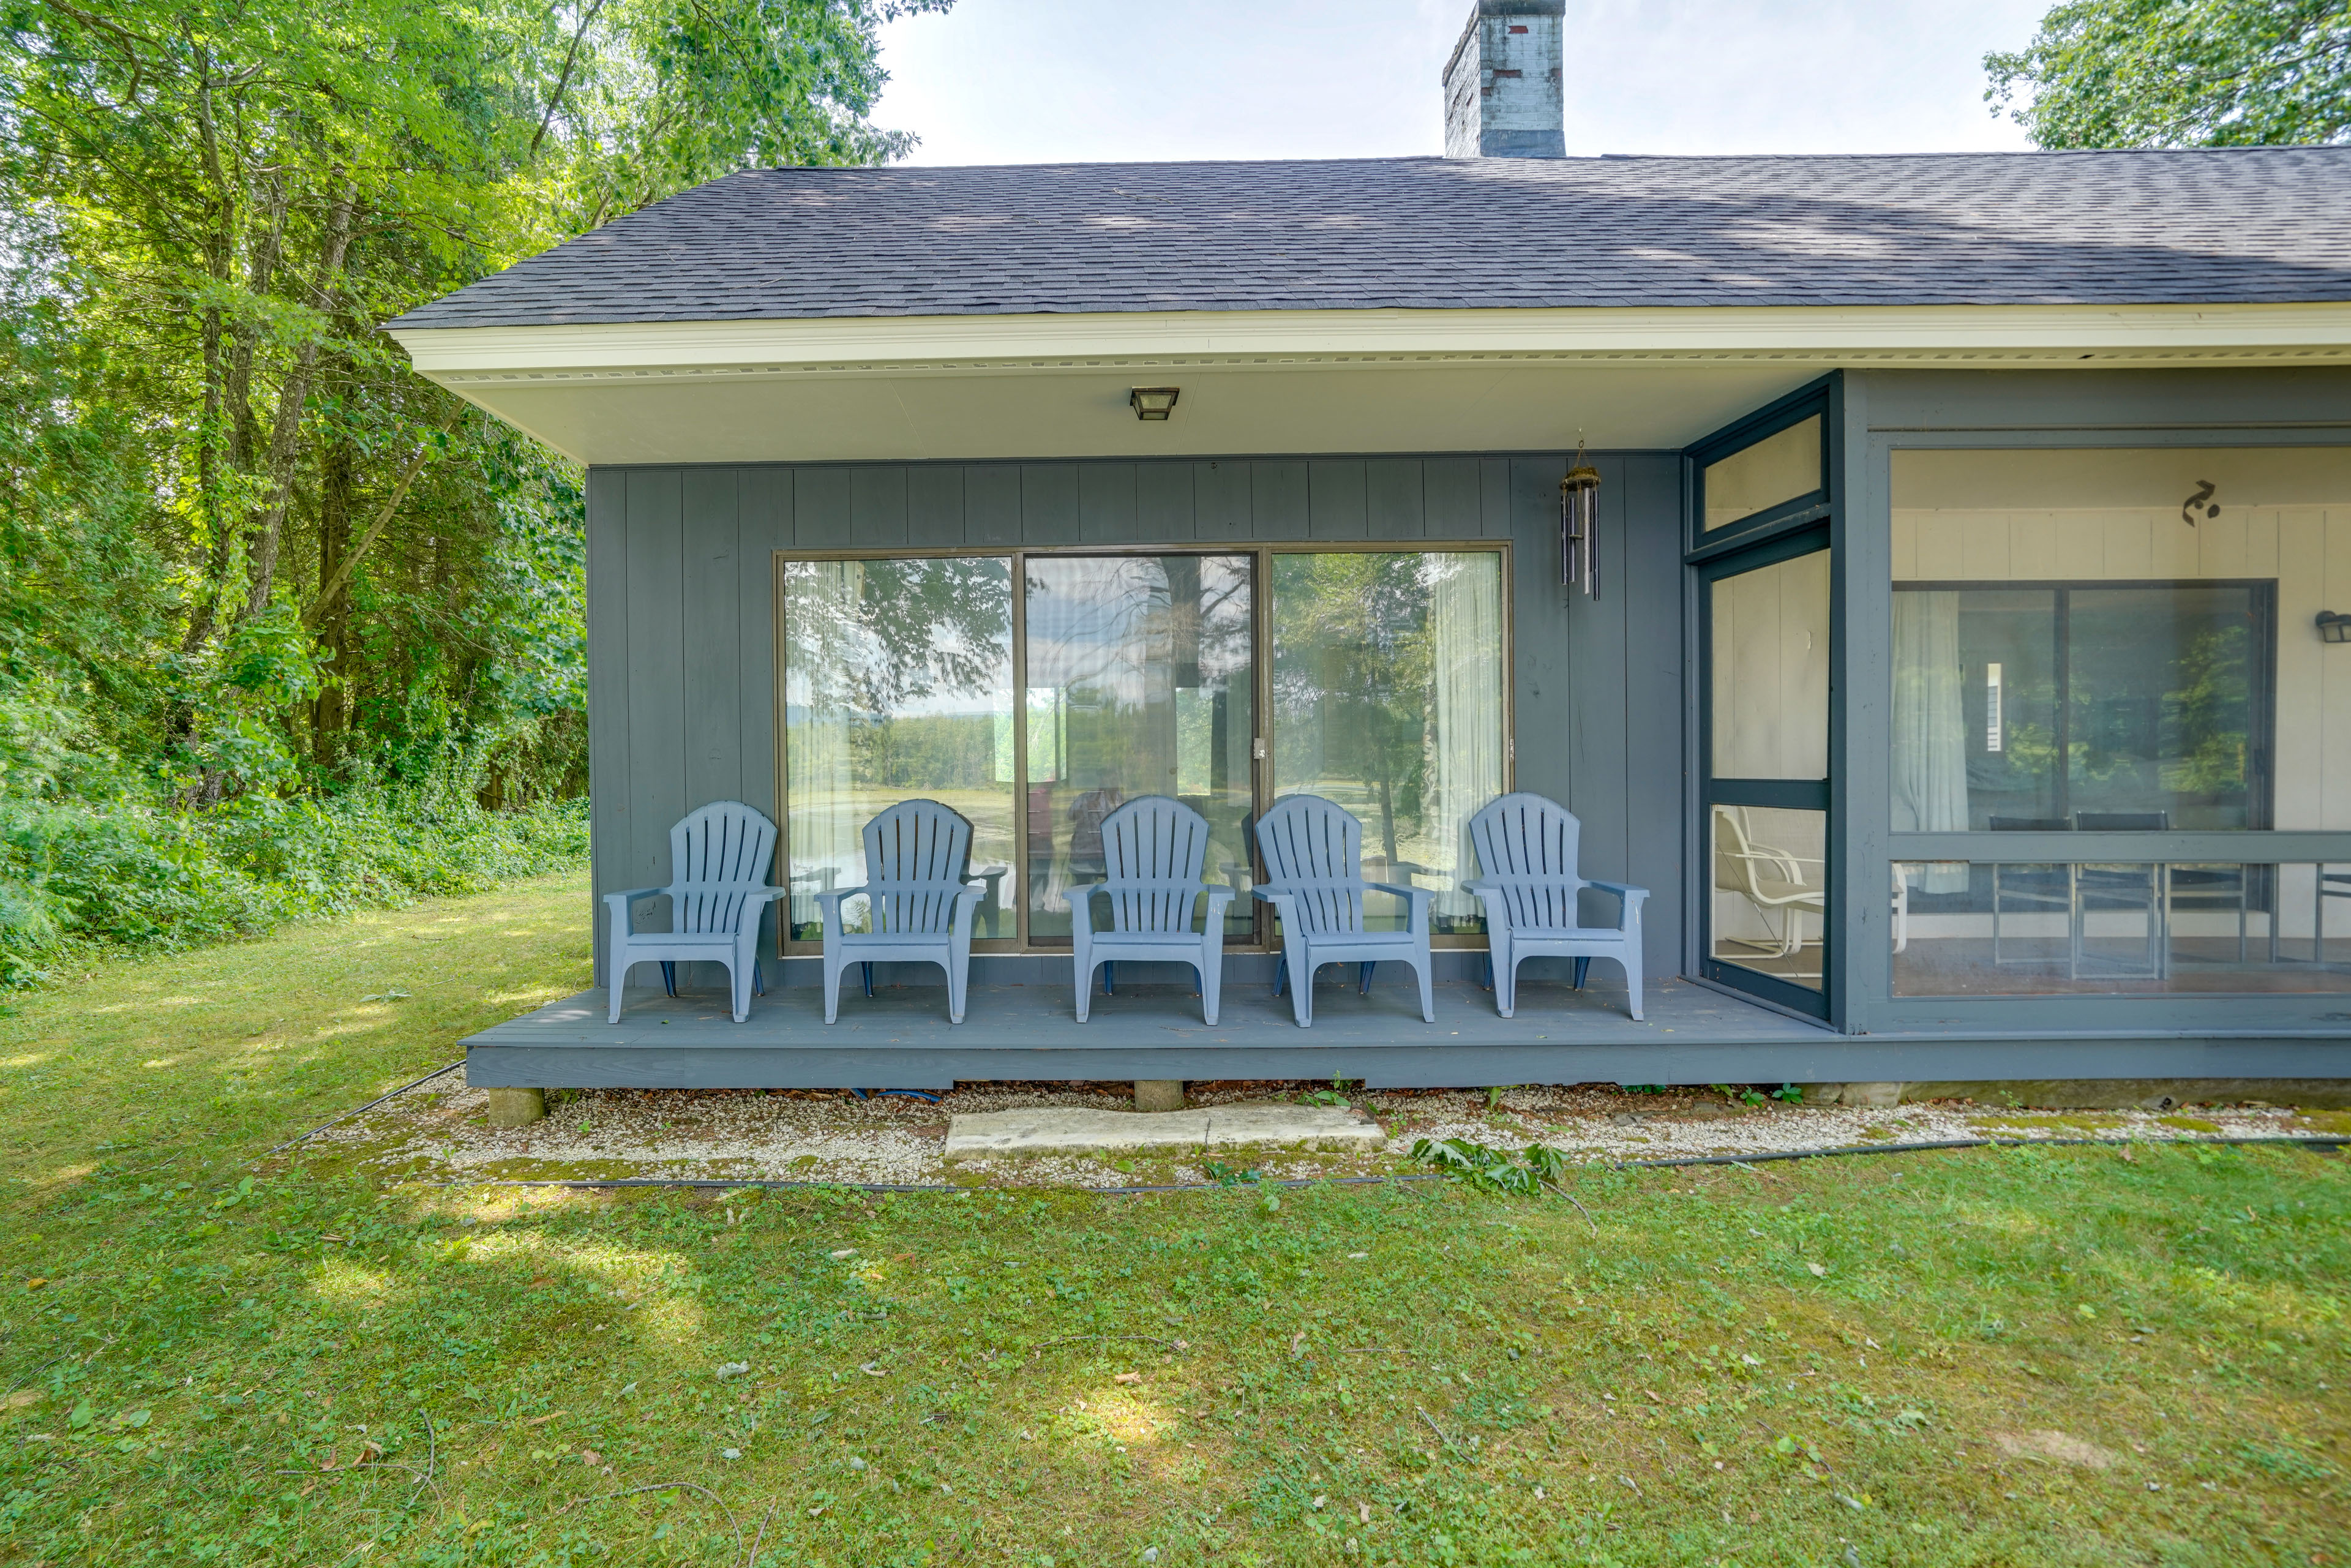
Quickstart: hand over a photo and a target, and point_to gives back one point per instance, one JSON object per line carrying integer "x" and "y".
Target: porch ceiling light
{"x": 1153, "y": 402}
{"x": 2333, "y": 627}
{"x": 1579, "y": 527}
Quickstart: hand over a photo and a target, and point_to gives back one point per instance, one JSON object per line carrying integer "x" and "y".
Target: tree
{"x": 2181, "y": 73}
{"x": 211, "y": 206}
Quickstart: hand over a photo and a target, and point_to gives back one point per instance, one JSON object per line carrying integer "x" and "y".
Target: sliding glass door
{"x": 897, "y": 684}
{"x": 1387, "y": 698}
{"x": 1141, "y": 680}
{"x": 1037, "y": 691}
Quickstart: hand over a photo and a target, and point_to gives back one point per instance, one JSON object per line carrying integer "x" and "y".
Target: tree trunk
{"x": 330, "y": 713}
{"x": 285, "y": 431}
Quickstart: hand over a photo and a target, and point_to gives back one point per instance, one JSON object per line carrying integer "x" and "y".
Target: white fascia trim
{"x": 930, "y": 343}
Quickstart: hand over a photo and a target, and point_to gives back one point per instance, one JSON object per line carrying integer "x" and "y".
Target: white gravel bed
{"x": 442, "y": 1133}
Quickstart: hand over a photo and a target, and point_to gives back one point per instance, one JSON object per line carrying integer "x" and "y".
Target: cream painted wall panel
{"x": 1906, "y": 546}
{"x": 1942, "y": 546}
{"x": 2179, "y": 550}
{"x": 2220, "y": 544}
{"x": 2130, "y": 545}
{"x": 2302, "y": 771}
{"x": 1984, "y": 549}
{"x": 2033, "y": 545}
{"x": 2334, "y": 704}
{"x": 2262, "y": 543}
{"x": 2081, "y": 544}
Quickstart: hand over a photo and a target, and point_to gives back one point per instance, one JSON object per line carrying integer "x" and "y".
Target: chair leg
{"x": 1084, "y": 964}
{"x": 621, "y": 967}
{"x": 958, "y": 981}
{"x": 1281, "y": 973}
{"x": 759, "y": 980}
{"x": 869, "y": 977}
{"x": 738, "y": 988}
{"x": 1582, "y": 967}
{"x": 1212, "y": 976}
{"x": 1631, "y": 962}
{"x": 1302, "y": 987}
{"x": 833, "y": 967}
{"x": 1363, "y": 979}
{"x": 1428, "y": 996}
{"x": 1505, "y": 964}
{"x": 1110, "y": 979}
{"x": 1487, "y": 983}
{"x": 669, "y": 976}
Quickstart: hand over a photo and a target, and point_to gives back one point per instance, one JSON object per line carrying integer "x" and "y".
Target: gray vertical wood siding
{"x": 682, "y": 628}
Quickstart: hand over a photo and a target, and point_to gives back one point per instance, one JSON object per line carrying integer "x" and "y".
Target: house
{"x": 1961, "y": 660}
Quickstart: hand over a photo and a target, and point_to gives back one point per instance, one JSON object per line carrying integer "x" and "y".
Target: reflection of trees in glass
{"x": 2210, "y": 710}
{"x": 869, "y": 639}
{"x": 1351, "y": 672}
{"x": 914, "y": 630}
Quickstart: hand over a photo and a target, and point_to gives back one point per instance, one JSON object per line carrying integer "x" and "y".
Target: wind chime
{"x": 1579, "y": 527}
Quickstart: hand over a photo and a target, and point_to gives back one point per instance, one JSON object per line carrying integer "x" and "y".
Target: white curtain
{"x": 823, "y": 833}
{"x": 1464, "y": 625}
{"x": 1930, "y": 729}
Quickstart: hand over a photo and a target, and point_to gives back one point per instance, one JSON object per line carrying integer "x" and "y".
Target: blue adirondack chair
{"x": 919, "y": 886}
{"x": 1526, "y": 847}
{"x": 1312, "y": 856}
{"x": 1155, "y": 849}
{"x": 718, "y": 868}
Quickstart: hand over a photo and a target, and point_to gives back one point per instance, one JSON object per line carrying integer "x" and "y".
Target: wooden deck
{"x": 900, "y": 1038}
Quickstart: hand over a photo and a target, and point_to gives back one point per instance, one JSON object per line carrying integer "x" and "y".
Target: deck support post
{"x": 1159, "y": 1094}
{"x": 517, "y": 1107}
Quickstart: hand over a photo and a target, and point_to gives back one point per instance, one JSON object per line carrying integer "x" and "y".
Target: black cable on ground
{"x": 2317, "y": 1145}
{"x": 437, "y": 1072}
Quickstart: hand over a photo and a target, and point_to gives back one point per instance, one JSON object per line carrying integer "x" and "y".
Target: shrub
{"x": 126, "y": 875}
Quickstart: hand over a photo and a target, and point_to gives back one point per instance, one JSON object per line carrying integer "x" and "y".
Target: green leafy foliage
{"x": 271, "y": 604}
{"x": 2180, "y": 73}
{"x": 1491, "y": 1168}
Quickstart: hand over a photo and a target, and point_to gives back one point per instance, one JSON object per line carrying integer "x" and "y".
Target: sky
{"x": 1027, "y": 82}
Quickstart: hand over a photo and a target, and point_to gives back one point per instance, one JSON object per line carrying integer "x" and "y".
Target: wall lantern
{"x": 1153, "y": 402}
{"x": 1579, "y": 527}
{"x": 2334, "y": 628}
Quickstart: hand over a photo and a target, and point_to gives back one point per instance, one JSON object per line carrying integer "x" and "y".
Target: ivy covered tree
{"x": 2180, "y": 73}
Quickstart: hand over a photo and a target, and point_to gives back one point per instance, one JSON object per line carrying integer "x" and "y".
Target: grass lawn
{"x": 2018, "y": 1356}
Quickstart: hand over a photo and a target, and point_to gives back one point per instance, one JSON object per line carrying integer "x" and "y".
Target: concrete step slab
{"x": 1267, "y": 1125}
{"x": 1072, "y": 1130}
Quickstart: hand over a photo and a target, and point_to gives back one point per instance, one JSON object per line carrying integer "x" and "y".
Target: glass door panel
{"x": 1141, "y": 680}
{"x": 1766, "y": 619}
{"x": 1388, "y": 699}
{"x": 897, "y": 684}
{"x": 1771, "y": 636}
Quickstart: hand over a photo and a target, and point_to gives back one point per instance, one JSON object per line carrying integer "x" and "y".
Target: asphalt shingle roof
{"x": 2226, "y": 226}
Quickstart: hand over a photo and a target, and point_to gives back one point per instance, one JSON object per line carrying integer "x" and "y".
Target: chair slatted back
{"x": 1314, "y": 848}
{"x": 1526, "y": 845}
{"x": 1155, "y": 849}
{"x": 718, "y": 856}
{"x": 917, "y": 859}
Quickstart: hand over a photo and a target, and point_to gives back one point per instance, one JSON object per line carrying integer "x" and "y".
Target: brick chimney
{"x": 1503, "y": 88}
